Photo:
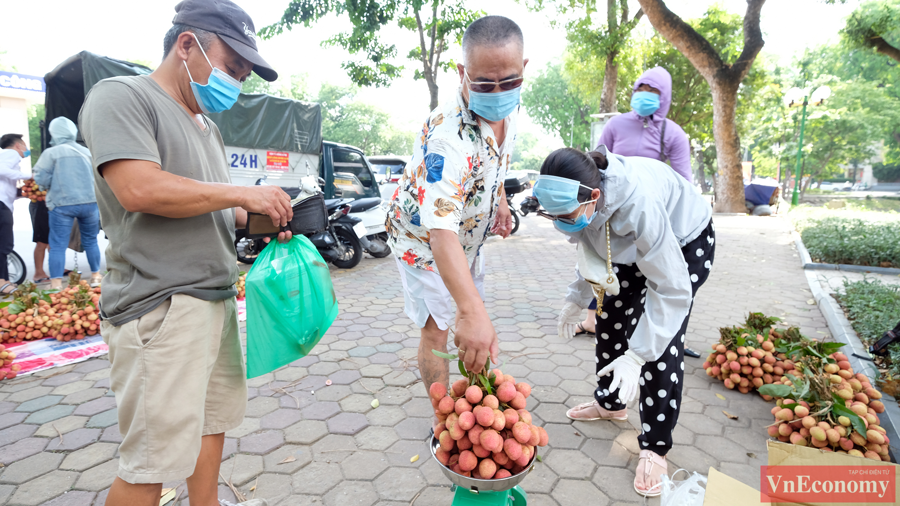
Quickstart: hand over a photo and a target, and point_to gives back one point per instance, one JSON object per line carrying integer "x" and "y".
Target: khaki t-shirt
{"x": 150, "y": 257}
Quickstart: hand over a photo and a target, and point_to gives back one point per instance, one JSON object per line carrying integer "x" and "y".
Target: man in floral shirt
{"x": 451, "y": 197}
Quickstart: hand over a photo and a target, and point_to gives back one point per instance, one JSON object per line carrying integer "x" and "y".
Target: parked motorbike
{"x": 338, "y": 241}
{"x": 513, "y": 185}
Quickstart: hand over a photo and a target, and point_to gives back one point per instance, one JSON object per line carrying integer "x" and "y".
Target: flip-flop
{"x": 4, "y": 287}
{"x": 42, "y": 280}
{"x": 649, "y": 459}
{"x": 583, "y": 331}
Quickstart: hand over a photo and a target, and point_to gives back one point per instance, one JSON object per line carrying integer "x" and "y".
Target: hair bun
{"x": 599, "y": 159}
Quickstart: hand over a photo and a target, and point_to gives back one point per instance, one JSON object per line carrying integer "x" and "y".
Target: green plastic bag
{"x": 290, "y": 304}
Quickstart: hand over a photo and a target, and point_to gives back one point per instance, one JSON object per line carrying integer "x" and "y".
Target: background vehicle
{"x": 17, "y": 270}
{"x": 513, "y": 184}
{"x": 395, "y": 164}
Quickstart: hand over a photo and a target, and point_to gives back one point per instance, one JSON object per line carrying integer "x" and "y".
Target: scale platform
{"x": 475, "y": 492}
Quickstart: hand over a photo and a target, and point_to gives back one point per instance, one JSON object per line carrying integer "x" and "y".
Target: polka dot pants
{"x": 661, "y": 381}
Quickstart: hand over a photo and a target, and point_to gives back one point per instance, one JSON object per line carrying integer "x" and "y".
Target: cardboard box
{"x": 723, "y": 490}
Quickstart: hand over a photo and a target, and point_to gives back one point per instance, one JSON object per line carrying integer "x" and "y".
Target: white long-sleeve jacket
{"x": 652, "y": 213}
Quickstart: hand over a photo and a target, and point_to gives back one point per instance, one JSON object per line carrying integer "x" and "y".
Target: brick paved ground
{"x": 347, "y": 453}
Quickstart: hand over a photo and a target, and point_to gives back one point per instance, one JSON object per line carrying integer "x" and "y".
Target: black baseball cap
{"x": 231, "y": 23}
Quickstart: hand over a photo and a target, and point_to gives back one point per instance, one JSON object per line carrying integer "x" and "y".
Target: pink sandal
{"x": 590, "y": 411}
{"x": 647, "y": 460}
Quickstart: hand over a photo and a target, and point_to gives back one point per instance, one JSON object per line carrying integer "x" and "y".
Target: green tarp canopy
{"x": 256, "y": 121}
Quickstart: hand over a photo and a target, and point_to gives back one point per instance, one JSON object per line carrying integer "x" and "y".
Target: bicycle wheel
{"x": 17, "y": 270}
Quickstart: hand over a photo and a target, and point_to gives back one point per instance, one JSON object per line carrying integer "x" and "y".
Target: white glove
{"x": 626, "y": 371}
{"x": 569, "y": 318}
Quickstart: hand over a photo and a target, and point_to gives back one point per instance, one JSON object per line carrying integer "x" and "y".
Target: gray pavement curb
{"x": 843, "y": 332}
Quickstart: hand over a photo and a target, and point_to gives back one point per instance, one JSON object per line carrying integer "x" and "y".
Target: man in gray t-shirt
{"x": 168, "y": 206}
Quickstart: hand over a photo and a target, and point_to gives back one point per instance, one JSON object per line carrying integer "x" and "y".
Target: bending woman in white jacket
{"x": 661, "y": 240}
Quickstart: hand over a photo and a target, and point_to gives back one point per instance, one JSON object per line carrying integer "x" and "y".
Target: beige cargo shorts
{"x": 178, "y": 374}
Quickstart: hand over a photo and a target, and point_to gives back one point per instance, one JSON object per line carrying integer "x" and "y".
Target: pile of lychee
{"x": 32, "y": 191}
{"x": 70, "y": 314}
{"x": 795, "y": 423}
{"x": 485, "y": 435}
{"x": 241, "y": 285}
{"x": 748, "y": 367}
{"x": 8, "y": 370}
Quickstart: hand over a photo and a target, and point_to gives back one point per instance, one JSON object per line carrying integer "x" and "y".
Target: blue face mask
{"x": 580, "y": 222}
{"x": 558, "y": 195}
{"x": 494, "y": 106}
{"x": 220, "y": 91}
{"x": 644, "y": 103}
{"x": 26, "y": 154}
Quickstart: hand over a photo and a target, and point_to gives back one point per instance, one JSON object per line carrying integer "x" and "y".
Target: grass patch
{"x": 873, "y": 308}
{"x": 856, "y": 233}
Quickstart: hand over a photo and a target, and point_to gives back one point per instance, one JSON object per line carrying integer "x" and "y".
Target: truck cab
{"x": 347, "y": 172}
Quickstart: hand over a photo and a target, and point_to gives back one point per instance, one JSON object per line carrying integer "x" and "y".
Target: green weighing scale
{"x": 474, "y": 492}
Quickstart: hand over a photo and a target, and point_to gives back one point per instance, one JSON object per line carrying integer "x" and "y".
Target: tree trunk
{"x": 433, "y": 90}
{"x": 730, "y": 190}
{"x": 700, "y": 162}
{"x": 610, "y": 80}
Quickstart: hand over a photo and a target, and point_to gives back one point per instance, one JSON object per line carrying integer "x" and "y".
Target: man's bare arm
{"x": 142, "y": 187}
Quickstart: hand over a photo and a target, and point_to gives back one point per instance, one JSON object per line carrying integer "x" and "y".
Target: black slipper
{"x": 691, "y": 353}
{"x": 583, "y": 331}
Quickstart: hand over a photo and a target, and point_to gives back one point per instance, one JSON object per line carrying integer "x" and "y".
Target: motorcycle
{"x": 339, "y": 243}
{"x": 511, "y": 186}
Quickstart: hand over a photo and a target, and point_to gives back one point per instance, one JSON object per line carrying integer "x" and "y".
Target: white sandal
{"x": 601, "y": 414}
{"x": 647, "y": 460}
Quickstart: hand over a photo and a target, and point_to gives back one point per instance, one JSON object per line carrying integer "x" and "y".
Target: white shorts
{"x": 426, "y": 295}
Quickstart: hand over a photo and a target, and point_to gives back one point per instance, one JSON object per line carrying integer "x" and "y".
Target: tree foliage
{"x": 435, "y": 24}
{"x": 550, "y": 103}
{"x": 366, "y": 126}
{"x": 875, "y": 24}
{"x": 529, "y": 154}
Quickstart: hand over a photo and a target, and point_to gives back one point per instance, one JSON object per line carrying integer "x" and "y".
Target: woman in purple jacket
{"x": 645, "y": 131}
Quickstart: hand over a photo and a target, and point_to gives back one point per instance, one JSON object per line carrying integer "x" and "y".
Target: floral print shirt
{"x": 453, "y": 182}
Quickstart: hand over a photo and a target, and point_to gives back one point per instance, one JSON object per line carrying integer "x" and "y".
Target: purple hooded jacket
{"x": 632, "y": 135}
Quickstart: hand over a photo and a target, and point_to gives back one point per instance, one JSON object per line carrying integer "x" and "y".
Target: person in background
{"x": 168, "y": 307}
{"x": 645, "y": 131}
{"x": 40, "y": 235}
{"x": 451, "y": 196}
{"x": 13, "y": 151}
{"x": 65, "y": 171}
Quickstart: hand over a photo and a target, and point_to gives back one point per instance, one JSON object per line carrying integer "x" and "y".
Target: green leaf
{"x": 775, "y": 390}
{"x": 15, "y": 308}
{"x": 829, "y": 348}
{"x": 486, "y": 384}
{"x": 46, "y": 298}
{"x": 4, "y": 304}
{"x": 445, "y": 355}
{"x": 462, "y": 369}
{"x": 855, "y": 420}
{"x": 741, "y": 341}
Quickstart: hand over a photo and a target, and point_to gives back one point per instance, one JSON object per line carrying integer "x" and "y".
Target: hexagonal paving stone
{"x": 399, "y": 484}
{"x": 89, "y": 457}
{"x": 350, "y": 492}
{"x": 96, "y": 406}
{"x": 721, "y": 449}
{"x": 414, "y": 428}
{"x": 333, "y": 393}
{"x": 16, "y": 432}
{"x": 364, "y": 465}
{"x": 306, "y": 432}
{"x": 29, "y": 393}
{"x": 290, "y": 374}
{"x": 321, "y": 411}
{"x": 39, "y": 403}
{"x": 386, "y": 415}
{"x": 62, "y": 379}
{"x": 570, "y": 463}
{"x": 362, "y": 351}
{"x": 347, "y": 423}
{"x": 375, "y": 370}
{"x": 324, "y": 368}
{"x": 21, "y": 449}
{"x": 84, "y": 396}
{"x": 78, "y": 438}
{"x": 41, "y": 490}
{"x": 73, "y": 498}
{"x": 700, "y": 424}
{"x": 317, "y": 478}
{"x": 269, "y": 485}
{"x": 298, "y": 456}
{"x": 383, "y": 358}
{"x": 73, "y": 387}
{"x": 357, "y": 403}
{"x": 280, "y": 418}
{"x": 260, "y": 406}
{"x": 606, "y": 453}
{"x": 541, "y": 479}
{"x": 112, "y": 435}
{"x": 578, "y": 493}
{"x": 616, "y": 483}
{"x": 563, "y": 436}
{"x": 344, "y": 377}
{"x": 401, "y": 452}
{"x": 49, "y": 414}
{"x": 63, "y": 425}
{"x": 241, "y": 468}
{"x": 99, "y": 477}
{"x": 334, "y": 448}
{"x": 376, "y": 438}
{"x": 104, "y": 419}
{"x": 419, "y": 407}
{"x": 554, "y": 413}
{"x": 27, "y": 469}
{"x": 261, "y": 443}
{"x": 10, "y": 419}
{"x": 247, "y": 426}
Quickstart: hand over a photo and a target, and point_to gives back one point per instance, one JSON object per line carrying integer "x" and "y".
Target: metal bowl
{"x": 477, "y": 485}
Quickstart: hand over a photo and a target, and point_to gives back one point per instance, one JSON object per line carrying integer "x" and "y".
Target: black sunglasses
{"x": 567, "y": 221}
{"x": 488, "y": 86}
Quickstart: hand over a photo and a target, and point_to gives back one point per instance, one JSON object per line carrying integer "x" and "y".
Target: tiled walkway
{"x": 304, "y": 443}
